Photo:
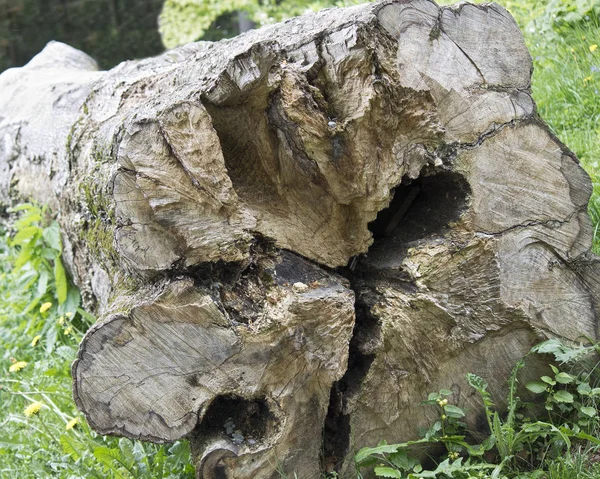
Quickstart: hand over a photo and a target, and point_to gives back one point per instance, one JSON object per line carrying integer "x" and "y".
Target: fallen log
{"x": 292, "y": 236}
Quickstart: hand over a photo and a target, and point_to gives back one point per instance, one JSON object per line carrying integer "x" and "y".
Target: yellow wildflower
{"x": 72, "y": 423}
{"x": 68, "y": 330}
{"x": 17, "y": 366}
{"x": 61, "y": 320}
{"x": 36, "y": 340}
{"x": 593, "y": 48}
{"x": 32, "y": 409}
{"x": 69, "y": 314}
{"x": 45, "y": 307}
{"x": 442, "y": 402}
{"x": 587, "y": 79}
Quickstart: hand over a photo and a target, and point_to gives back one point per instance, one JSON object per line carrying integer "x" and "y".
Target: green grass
{"x": 42, "y": 434}
{"x": 566, "y": 88}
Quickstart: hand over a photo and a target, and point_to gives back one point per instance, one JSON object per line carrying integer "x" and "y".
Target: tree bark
{"x": 292, "y": 236}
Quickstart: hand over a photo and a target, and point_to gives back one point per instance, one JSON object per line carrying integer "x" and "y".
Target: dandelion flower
{"x": 33, "y": 409}
{"x": 17, "y": 366}
{"x": 45, "y": 307}
{"x": 72, "y": 423}
{"x": 68, "y": 330}
{"x": 593, "y": 48}
{"x": 36, "y": 340}
{"x": 61, "y": 320}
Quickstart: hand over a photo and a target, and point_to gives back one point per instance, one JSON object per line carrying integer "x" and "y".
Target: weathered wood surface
{"x": 294, "y": 235}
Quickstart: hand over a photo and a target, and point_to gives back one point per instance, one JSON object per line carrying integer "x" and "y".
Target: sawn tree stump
{"x": 292, "y": 236}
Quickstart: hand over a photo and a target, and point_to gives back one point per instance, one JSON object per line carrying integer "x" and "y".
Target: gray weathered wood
{"x": 292, "y": 236}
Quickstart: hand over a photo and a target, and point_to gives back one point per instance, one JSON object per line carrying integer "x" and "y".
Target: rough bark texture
{"x": 294, "y": 235}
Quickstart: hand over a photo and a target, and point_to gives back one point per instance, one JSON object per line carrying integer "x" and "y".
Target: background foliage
{"x": 109, "y": 30}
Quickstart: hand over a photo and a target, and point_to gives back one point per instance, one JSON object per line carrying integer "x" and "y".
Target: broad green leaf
{"x": 563, "y": 396}
{"x": 25, "y": 235}
{"x": 60, "y": 279}
{"x": 26, "y": 279}
{"x": 72, "y": 302}
{"x": 43, "y": 283}
{"x": 536, "y": 387}
{"x": 141, "y": 457}
{"x": 403, "y": 461}
{"x": 24, "y": 257}
{"x": 453, "y": 411}
{"x": 127, "y": 451}
{"x": 431, "y": 432}
{"x": 70, "y": 446}
{"x": 589, "y": 411}
{"x": 20, "y": 207}
{"x": 387, "y": 472}
{"x": 587, "y": 437}
{"x": 584, "y": 389}
{"x": 369, "y": 451}
{"x": 564, "y": 378}
{"x": 52, "y": 236}
{"x": 51, "y": 335}
{"x": 548, "y": 380}
{"x": 548, "y": 347}
{"x": 49, "y": 253}
{"x": 113, "y": 459}
{"x": 446, "y": 392}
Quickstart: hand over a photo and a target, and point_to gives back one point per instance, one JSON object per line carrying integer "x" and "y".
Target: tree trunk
{"x": 294, "y": 235}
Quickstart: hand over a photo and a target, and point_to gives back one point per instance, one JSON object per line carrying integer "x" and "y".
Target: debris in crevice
{"x": 243, "y": 422}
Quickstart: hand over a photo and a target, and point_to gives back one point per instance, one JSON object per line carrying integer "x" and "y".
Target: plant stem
{"x": 48, "y": 430}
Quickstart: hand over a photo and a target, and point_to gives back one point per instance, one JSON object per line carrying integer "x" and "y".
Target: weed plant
{"x": 42, "y": 434}
{"x": 561, "y": 442}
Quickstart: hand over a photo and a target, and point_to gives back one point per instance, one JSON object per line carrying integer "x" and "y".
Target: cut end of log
{"x": 229, "y": 364}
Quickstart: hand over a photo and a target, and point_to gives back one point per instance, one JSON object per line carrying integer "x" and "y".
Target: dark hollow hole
{"x": 242, "y": 421}
{"x": 422, "y": 208}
